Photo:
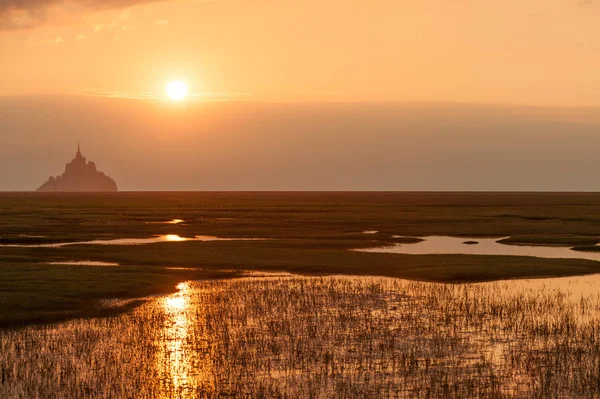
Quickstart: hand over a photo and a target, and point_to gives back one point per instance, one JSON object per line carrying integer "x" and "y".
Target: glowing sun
{"x": 177, "y": 90}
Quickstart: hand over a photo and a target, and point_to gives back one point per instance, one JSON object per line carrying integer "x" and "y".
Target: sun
{"x": 177, "y": 90}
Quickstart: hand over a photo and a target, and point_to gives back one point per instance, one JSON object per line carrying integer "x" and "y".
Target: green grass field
{"x": 307, "y": 233}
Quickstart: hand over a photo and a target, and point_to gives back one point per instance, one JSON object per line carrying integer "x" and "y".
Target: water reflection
{"x": 82, "y": 263}
{"x": 175, "y": 237}
{"x": 172, "y": 221}
{"x": 181, "y": 360}
{"x": 572, "y": 289}
{"x": 173, "y": 361}
{"x": 484, "y": 246}
{"x": 133, "y": 241}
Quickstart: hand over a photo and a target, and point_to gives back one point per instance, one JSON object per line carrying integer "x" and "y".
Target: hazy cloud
{"x": 162, "y": 22}
{"x": 81, "y": 37}
{"x": 45, "y": 41}
{"x": 22, "y": 14}
{"x": 16, "y": 17}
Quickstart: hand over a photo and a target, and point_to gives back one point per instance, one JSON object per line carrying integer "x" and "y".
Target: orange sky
{"x": 544, "y": 52}
{"x": 321, "y": 94}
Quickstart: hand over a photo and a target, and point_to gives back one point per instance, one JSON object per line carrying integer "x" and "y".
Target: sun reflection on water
{"x": 177, "y": 303}
{"x": 173, "y": 361}
{"x": 173, "y": 237}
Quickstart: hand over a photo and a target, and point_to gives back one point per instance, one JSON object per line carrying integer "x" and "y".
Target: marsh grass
{"x": 321, "y": 337}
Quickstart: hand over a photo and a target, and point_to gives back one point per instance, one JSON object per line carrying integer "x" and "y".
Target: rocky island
{"x": 79, "y": 176}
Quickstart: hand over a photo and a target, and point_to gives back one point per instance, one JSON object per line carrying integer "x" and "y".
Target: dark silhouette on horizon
{"x": 79, "y": 176}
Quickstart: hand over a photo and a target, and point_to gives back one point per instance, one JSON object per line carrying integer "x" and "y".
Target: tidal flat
{"x": 292, "y": 295}
{"x": 287, "y": 336}
{"x": 307, "y": 233}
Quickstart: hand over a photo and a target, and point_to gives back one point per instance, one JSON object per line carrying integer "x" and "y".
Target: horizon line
{"x": 254, "y": 99}
{"x": 312, "y": 191}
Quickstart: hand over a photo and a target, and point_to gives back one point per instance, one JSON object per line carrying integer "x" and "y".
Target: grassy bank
{"x": 32, "y": 293}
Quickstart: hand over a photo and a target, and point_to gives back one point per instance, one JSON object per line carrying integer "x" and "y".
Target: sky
{"x": 510, "y": 51}
{"x": 300, "y": 95}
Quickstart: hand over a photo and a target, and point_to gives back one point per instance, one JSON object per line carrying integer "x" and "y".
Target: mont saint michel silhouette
{"x": 79, "y": 176}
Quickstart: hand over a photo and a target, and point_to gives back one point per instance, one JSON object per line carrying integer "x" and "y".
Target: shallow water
{"x": 133, "y": 241}
{"x": 82, "y": 263}
{"x": 172, "y": 221}
{"x": 322, "y": 337}
{"x": 484, "y": 246}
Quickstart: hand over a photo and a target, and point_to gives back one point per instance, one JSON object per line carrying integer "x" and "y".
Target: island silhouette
{"x": 79, "y": 176}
